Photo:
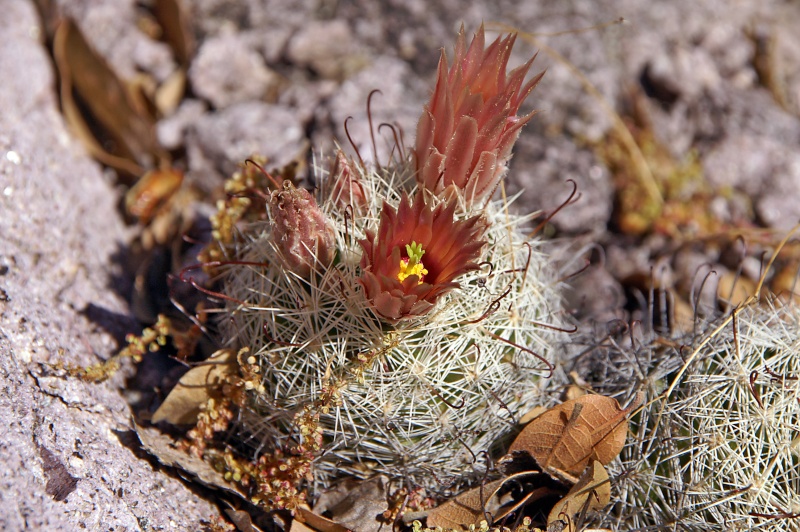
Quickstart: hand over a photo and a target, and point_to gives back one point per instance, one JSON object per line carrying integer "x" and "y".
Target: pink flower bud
{"x": 303, "y": 236}
{"x": 346, "y": 186}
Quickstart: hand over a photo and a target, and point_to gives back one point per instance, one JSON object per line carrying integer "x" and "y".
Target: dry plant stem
{"x": 574, "y": 31}
{"x": 151, "y": 340}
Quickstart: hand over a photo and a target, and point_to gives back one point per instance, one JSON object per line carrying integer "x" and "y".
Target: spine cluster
{"x": 717, "y": 446}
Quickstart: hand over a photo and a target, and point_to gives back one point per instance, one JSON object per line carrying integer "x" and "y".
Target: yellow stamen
{"x": 412, "y": 265}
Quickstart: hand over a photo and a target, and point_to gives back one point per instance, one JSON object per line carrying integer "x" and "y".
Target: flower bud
{"x": 346, "y": 186}
{"x": 301, "y": 232}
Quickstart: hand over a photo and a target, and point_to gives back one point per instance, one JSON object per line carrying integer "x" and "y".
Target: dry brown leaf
{"x": 164, "y": 448}
{"x": 317, "y": 522}
{"x": 785, "y": 283}
{"x": 241, "y": 519}
{"x": 683, "y": 315}
{"x": 249, "y": 518}
{"x": 734, "y": 289}
{"x": 532, "y": 414}
{"x": 72, "y": 112}
{"x": 356, "y": 504}
{"x": 299, "y": 526}
{"x": 84, "y": 72}
{"x": 195, "y": 388}
{"x": 529, "y": 491}
{"x": 574, "y": 391}
{"x": 591, "y": 492}
{"x": 469, "y": 508}
{"x": 172, "y": 18}
{"x": 567, "y": 436}
{"x": 170, "y": 93}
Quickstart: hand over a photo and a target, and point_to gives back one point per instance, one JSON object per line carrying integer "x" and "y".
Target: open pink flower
{"x": 466, "y": 132}
{"x": 416, "y": 255}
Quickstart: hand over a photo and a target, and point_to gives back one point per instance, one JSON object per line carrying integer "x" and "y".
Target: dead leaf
{"x": 469, "y": 508}
{"x": 317, "y": 522}
{"x": 79, "y": 127}
{"x": 683, "y": 315}
{"x": 536, "y": 486}
{"x": 299, "y": 526}
{"x": 109, "y": 101}
{"x": 164, "y": 448}
{"x": 591, "y": 492}
{"x": 733, "y": 289}
{"x": 170, "y": 93}
{"x": 532, "y": 414}
{"x": 171, "y": 15}
{"x": 785, "y": 283}
{"x": 574, "y": 391}
{"x": 249, "y": 518}
{"x": 241, "y": 519}
{"x": 356, "y": 504}
{"x": 195, "y": 388}
{"x": 567, "y": 436}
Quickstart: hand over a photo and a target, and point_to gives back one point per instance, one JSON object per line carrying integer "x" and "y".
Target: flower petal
{"x": 459, "y": 151}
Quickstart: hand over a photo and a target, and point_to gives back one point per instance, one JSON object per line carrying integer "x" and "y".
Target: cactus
{"x": 718, "y": 446}
{"x": 397, "y": 326}
{"x": 419, "y": 397}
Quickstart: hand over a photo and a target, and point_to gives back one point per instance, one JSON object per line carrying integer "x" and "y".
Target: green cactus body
{"x": 421, "y": 398}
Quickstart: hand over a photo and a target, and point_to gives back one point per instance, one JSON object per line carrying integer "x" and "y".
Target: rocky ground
{"x": 710, "y": 90}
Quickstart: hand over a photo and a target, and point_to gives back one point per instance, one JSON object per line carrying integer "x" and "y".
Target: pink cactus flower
{"x": 417, "y": 253}
{"x": 466, "y": 132}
